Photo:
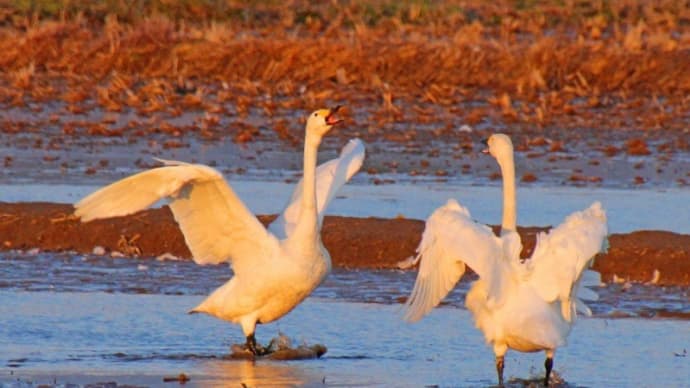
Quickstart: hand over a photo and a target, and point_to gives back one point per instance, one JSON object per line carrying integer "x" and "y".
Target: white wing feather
{"x": 561, "y": 257}
{"x": 330, "y": 177}
{"x": 452, "y": 239}
{"x": 134, "y": 193}
{"x": 216, "y": 225}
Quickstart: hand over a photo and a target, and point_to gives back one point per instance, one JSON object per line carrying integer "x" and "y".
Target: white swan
{"x": 274, "y": 269}
{"x": 527, "y": 305}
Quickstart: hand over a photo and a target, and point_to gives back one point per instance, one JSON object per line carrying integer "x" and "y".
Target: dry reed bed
{"x": 411, "y": 62}
{"x": 630, "y": 59}
{"x": 618, "y": 65}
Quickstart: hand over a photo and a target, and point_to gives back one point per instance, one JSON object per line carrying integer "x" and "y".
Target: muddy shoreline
{"x": 354, "y": 243}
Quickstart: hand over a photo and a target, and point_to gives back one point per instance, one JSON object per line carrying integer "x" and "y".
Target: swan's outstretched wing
{"x": 330, "y": 177}
{"x": 452, "y": 239}
{"x": 562, "y": 255}
{"x": 216, "y": 225}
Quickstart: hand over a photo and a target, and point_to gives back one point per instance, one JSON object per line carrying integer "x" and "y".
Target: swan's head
{"x": 499, "y": 145}
{"x": 321, "y": 121}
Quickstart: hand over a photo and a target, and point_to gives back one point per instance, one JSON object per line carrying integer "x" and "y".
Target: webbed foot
{"x": 256, "y": 350}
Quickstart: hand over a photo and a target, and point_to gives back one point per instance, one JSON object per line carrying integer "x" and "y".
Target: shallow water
{"x": 38, "y": 272}
{"x": 149, "y": 336}
{"x": 85, "y": 319}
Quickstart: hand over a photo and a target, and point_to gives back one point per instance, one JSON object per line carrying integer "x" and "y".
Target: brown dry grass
{"x": 615, "y": 64}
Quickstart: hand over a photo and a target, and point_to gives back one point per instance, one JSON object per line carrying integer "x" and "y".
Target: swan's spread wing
{"x": 330, "y": 177}
{"x": 451, "y": 239}
{"x": 216, "y": 225}
{"x": 134, "y": 193}
{"x": 561, "y": 256}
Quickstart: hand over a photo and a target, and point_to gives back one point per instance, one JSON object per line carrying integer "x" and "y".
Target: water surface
{"x": 86, "y": 319}
{"x": 628, "y": 210}
{"x": 84, "y": 337}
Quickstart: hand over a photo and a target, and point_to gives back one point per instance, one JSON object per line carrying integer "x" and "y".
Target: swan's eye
{"x": 315, "y": 114}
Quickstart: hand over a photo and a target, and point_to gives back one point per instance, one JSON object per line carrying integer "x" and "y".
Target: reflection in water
{"x": 255, "y": 374}
{"x": 138, "y": 339}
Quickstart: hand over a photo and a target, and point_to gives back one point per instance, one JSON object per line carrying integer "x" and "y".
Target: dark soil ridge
{"x": 362, "y": 243}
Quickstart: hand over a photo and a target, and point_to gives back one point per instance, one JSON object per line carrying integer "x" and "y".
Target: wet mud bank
{"x": 657, "y": 257}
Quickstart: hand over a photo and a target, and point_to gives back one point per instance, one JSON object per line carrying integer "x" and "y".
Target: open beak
{"x": 332, "y": 119}
{"x": 486, "y": 143}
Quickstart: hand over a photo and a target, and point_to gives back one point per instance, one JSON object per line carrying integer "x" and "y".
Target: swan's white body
{"x": 526, "y": 305}
{"x": 274, "y": 269}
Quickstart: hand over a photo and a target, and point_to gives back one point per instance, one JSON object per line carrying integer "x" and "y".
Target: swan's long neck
{"x": 507, "y": 165}
{"x": 307, "y": 224}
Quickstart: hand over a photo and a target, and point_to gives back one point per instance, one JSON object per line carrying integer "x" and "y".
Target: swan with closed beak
{"x": 527, "y": 305}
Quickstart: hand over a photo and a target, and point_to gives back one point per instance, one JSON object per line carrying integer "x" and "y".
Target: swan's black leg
{"x": 251, "y": 345}
{"x": 548, "y": 364}
{"x": 499, "y": 369}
